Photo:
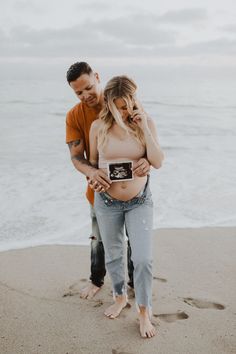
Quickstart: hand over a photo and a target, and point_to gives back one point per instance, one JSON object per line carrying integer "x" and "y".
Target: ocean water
{"x": 42, "y": 195}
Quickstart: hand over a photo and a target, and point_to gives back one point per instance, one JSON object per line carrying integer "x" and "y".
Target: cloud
{"x": 26, "y": 6}
{"x": 136, "y": 36}
{"x": 134, "y": 31}
{"x": 24, "y": 41}
{"x": 118, "y": 37}
{"x": 220, "y": 46}
{"x": 98, "y": 6}
{"x": 229, "y": 28}
{"x": 184, "y": 16}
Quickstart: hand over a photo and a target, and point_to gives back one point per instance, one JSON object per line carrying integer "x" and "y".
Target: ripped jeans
{"x": 136, "y": 215}
{"x": 97, "y": 256}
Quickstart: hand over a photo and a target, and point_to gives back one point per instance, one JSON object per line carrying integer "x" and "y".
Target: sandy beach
{"x": 193, "y": 299}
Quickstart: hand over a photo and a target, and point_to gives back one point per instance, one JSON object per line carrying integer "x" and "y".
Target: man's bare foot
{"x": 114, "y": 310}
{"x": 146, "y": 328}
{"x": 89, "y": 291}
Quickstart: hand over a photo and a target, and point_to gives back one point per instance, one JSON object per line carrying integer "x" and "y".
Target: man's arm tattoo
{"x": 81, "y": 159}
{"x": 74, "y": 143}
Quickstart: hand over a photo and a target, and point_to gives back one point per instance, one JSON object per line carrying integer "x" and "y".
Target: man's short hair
{"x": 78, "y": 69}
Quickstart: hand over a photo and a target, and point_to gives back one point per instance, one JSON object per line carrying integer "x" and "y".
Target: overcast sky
{"x": 199, "y": 32}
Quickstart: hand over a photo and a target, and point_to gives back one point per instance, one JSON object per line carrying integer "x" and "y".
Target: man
{"x": 86, "y": 85}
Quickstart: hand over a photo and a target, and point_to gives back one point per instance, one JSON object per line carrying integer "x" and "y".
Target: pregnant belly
{"x": 127, "y": 190}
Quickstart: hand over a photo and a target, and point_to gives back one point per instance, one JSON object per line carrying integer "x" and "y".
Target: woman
{"x": 124, "y": 133}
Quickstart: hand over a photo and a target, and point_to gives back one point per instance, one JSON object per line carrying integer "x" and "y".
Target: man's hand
{"x": 142, "y": 168}
{"x": 98, "y": 180}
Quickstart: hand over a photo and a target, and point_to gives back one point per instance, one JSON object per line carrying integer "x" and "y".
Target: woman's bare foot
{"x": 146, "y": 328}
{"x": 114, "y": 310}
{"x": 89, "y": 291}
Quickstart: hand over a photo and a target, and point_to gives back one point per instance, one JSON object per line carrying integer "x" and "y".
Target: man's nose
{"x": 85, "y": 95}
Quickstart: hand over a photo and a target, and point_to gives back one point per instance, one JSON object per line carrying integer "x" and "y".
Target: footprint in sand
{"x": 172, "y": 317}
{"x": 114, "y": 351}
{"x": 83, "y": 280}
{"x": 163, "y": 280}
{"x": 203, "y": 304}
{"x": 72, "y": 291}
{"x": 99, "y": 303}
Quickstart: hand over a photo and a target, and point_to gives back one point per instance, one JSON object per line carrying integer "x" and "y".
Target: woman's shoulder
{"x": 150, "y": 122}
{"x": 96, "y": 124}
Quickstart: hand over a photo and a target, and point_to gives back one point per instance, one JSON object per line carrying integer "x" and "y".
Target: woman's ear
{"x": 97, "y": 77}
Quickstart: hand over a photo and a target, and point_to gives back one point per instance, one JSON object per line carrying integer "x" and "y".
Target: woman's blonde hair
{"x": 125, "y": 88}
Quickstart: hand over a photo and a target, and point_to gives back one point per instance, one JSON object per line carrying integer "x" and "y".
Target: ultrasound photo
{"x": 120, "y": 171}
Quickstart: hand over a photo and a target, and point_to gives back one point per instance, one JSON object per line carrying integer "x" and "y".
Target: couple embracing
{"x": 112, "y": 129}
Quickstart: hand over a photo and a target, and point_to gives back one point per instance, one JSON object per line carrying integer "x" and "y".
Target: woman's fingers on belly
{"x": 142, "y": 165}
{"x": 140, "y": 171}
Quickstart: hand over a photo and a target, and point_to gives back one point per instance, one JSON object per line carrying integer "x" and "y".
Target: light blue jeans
{"x": 136, "y": 215}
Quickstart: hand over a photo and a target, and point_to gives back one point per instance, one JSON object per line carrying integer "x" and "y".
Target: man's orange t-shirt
{"x": 78, "y": 123}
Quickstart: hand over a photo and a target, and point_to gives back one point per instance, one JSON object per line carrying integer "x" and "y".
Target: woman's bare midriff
{"x": 126, "y": 190}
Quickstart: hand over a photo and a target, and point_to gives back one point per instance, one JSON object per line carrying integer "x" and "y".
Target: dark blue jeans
{"x": 98, "y": 269}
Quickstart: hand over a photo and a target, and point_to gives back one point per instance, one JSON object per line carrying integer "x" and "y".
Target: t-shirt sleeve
{"x": 73, "y": 130}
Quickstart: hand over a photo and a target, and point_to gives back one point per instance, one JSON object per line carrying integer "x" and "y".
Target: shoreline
{"x": 155, "y": 231}
{"x": 193, "y": 299}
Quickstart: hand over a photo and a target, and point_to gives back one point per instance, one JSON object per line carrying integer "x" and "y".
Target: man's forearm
{"x": 98, "y": 180}
{"x": 76, "y": 148}
{"x": 82, "y": 165}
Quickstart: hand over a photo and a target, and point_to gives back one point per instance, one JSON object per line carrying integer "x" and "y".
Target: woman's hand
{"x": 142, "y": 168}
{"x": 140, "y": 118}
